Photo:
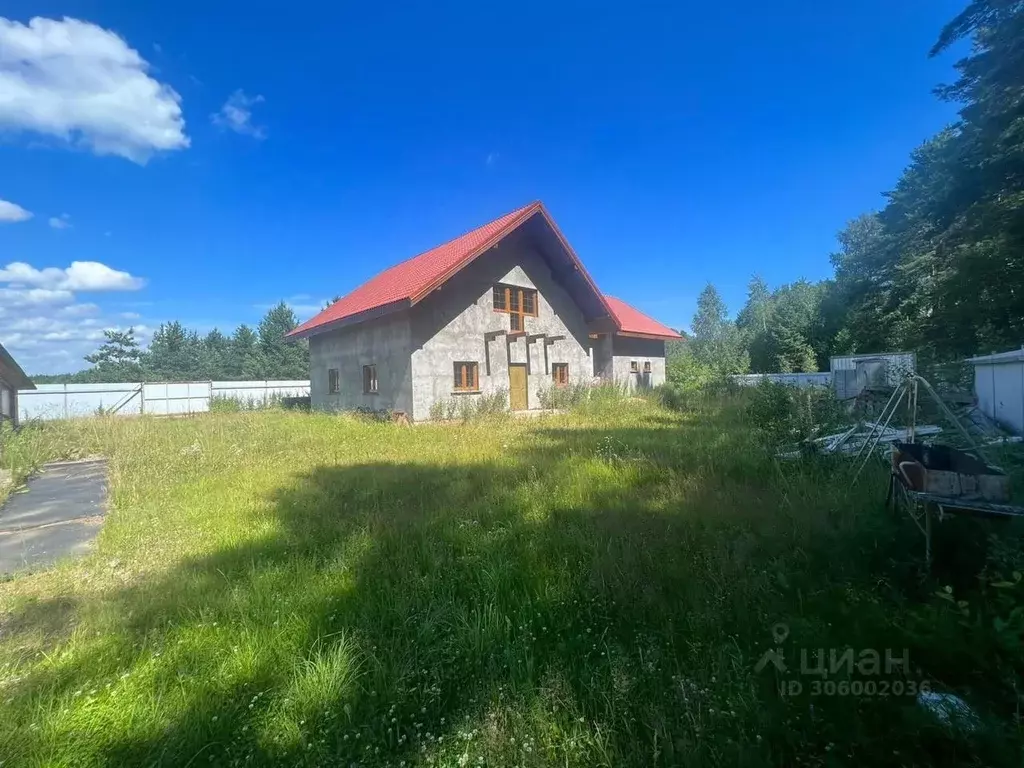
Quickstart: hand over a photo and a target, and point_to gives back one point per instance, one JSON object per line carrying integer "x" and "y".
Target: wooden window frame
{"x": 634, "y": 366}
{"x": 466, "y": 376}
{"x": 513, "y": 303}
{"x": 370, "y": 384}
{"x": 333, "y": 381}
{"x": 647, "y": 366}
{"x": 500, "y": 292}
{"x": 560, "y": 374}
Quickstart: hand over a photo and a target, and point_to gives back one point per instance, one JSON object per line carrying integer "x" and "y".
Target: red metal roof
{"x": 633, "y": 321}
{"x": 413, "y": 279}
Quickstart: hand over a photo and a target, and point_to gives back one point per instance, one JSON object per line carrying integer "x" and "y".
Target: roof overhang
{"x": 652, "y": 336}
{"x": 1013, "y": 356}
{"x": 360, "y": 317}
{"x": 12, "y": 372}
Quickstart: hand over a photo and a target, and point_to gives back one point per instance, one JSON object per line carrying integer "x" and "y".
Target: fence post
{"x": 142, "y": 398}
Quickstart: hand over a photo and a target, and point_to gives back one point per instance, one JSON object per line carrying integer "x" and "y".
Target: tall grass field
{"x": 620, "y": 585}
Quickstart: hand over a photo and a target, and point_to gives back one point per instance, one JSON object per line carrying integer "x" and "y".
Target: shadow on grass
{"x": 593, "y": 593}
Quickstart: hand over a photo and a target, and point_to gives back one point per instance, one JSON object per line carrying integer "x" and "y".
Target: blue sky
{"x": 223, "y": 155}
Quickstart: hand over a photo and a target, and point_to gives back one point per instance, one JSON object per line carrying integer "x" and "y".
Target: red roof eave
{"x": 634, "y": 323}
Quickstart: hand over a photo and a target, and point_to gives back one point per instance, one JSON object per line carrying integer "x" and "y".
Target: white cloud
{"x": 47, "y": 339}
{"x": 78, "y": 310}
{"x": 83, "y": 84}
{"x": 20, "y": 297}
{"x": 10, "y": 212}
{"x": 60, "y": 222}
{"x": 45, "y": 327}
{"x": 236, "y": 115}
{"x": 80, "y": 276}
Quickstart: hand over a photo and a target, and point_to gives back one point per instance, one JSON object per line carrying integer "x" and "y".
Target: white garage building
{"x": 999, "y": 386}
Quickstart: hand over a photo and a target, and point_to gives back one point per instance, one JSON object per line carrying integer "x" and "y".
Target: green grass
{"x": 594, "y": 588}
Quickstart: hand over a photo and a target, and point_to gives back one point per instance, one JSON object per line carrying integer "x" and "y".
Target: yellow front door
{"x": 517, "y": 387}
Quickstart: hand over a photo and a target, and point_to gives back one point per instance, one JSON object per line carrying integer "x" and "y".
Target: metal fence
{"x": 790, "y": 379}
{"x": 71, "y": 401}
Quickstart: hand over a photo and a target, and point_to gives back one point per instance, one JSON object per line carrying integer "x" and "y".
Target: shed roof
{"x": 16, "y": 377}
{"x": 1013, "y": 356}
{"x": 633, "y": 322}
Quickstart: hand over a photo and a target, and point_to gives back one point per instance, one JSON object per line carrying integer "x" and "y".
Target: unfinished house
{"x": 508, "y": 308}
{"x": 12, "y": 378}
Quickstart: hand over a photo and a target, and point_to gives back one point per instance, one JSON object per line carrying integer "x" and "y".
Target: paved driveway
{"x": 58, "y": 515}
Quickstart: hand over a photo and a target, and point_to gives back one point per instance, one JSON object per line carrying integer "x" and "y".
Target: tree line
{"x": 176, "y": 353}
{"x": 939, "y": 270}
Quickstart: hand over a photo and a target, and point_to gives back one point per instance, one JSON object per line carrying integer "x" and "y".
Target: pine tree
{"x": 717, "y": 342}
{"x": 174, "y": 353}
{"x": 117, "y": 359}
{"x": 245, "y": 360}
{"x": 283, "y": 358}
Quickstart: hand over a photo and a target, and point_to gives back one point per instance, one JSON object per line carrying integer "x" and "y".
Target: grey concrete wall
{"x": 626, "y": 349}
{"x": 384, "y": 342}
{"x": 9, "y": 399}
{"x": 603, "y": 358}
{"x": 458, "y": 323}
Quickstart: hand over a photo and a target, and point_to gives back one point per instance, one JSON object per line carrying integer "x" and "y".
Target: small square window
{"x": 515, "y": 322}
{"x": 647, "y": 366}
{"x": 369, "y": 379}
{"x": 634, "y": 366}
{"x": 467, "y": 377}
{"x": 333, "y": 381}
{"x": 560, "y": 374}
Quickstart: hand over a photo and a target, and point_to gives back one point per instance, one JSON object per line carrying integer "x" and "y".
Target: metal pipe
{"x": 903, "y": 390}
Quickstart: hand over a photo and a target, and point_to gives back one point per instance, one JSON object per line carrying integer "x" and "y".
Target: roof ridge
{"x": 469, "y": 231}
{"x": 409, "y": 279}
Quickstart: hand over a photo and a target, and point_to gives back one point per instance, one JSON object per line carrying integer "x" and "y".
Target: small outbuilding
{"x": 12, "y": 378}
{"x": 999, "y": 387}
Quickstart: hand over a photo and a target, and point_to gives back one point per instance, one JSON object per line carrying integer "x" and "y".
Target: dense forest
{"x": 939, "y": 270}
{"x": 176, "y": 353}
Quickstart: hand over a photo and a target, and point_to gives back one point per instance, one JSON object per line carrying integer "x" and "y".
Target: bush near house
{"x": 594, "y": 588}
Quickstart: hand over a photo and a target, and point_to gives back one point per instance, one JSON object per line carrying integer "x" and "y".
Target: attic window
{"x": 517, "y": 302}
{"x": 500, "y": 298}
{"x": 467, "y": 377}
{"x": 369, "y": 379}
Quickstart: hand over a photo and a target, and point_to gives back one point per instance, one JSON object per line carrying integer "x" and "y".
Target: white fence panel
{"x": 259, "y": 391}
{"x": 801, "y": 380}
{"x": 172, "y": 398}
{"x": 70, "y": 401}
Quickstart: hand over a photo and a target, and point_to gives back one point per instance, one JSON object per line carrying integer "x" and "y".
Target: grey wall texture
{"x": 8, "y": 402}
{"x": 384, "y": 342}
{"x": 458, "y": 323}
{"x": 626, "y": 350}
